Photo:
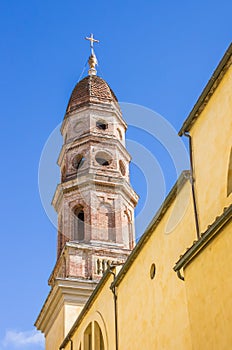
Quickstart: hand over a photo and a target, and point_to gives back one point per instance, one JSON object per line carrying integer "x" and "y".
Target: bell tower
{"x": 94, "y": 200}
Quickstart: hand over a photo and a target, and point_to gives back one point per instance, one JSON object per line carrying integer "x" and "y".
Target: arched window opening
{"x": 106, "y": 220}
{"x": 103, "y": 158}
{"x": 88, "y": 338}
{"x": 229, "y": 176}
{"x": 78, "y": 161}
{"x": 102, "y": 161}
{"x": 93, "y": 333}
{"x": 79, "y": 224}
{"x": 98, "y": 338}
{"x": 102, "y": 125}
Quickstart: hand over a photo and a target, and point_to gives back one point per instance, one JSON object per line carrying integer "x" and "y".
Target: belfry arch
{"x": 79, "y": 224}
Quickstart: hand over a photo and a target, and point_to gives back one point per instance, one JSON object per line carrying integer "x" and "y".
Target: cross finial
{"x": 92, "y": 59}
{"x": 92, "y": 40}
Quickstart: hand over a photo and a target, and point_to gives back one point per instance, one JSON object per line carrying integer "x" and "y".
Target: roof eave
{"x": 183, "y": 178}
{"x": 208, "y": 91}
{"x": 205, "y": 238}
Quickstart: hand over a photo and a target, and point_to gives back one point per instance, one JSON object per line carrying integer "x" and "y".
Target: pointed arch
{"x": 98, "y": 337}
{"x": 229, "y": 175}
{"x": 93, "y": 335}
{"x": 88, "y": 338}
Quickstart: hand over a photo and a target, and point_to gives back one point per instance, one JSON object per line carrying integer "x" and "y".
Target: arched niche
{"x": 106, "y": 220}
{"x": 92, "y": 334}
{"x": 79, "y": 224}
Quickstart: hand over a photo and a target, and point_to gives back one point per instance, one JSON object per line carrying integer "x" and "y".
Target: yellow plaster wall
{"x": 211, "y": 138}
{"x": 101, "y": 311}
{"x": 55, "y": 334}
{"x": 71, "y": 313}
{"x": 153, "y": 313}
{"x": 208, "y": 281}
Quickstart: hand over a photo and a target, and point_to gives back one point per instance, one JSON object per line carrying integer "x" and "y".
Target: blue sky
{"x": 158, "y": 54}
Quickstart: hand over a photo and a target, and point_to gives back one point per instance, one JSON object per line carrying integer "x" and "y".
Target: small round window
{"x": 122, "y": 167}
{"x": 152, "y": 271}
{"x": 78, "y": 127}
{"x": 103, "y": 158}
{"x": 78, "y": 161}
{"x": 102, "y": 125}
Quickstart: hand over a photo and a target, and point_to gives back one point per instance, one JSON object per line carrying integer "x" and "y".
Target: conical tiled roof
{"x": 91, "y": 89}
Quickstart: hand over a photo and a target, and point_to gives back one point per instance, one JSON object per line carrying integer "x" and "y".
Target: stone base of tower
{"x": 61, "y": 308}
{"x": 74, "y": 278}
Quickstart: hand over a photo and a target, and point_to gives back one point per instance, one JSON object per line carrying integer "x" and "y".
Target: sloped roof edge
{"x": 208, "y": 235}
{"x": 183, "y": 178}
{"x": 208, "y": 91}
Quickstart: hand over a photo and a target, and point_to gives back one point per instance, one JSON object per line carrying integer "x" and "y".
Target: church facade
{"x": 173, "y": 289}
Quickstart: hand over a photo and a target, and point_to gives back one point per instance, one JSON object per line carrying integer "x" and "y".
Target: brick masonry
{"x": 94, "y": 201}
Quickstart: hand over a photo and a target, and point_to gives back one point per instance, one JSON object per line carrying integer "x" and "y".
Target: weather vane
{"x": 92, "y": 59}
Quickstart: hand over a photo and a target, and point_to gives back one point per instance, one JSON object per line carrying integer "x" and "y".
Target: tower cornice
{"x": 93, "y": 138}
{"x": 119, "y": 185}
{"x": 110, "y": 107}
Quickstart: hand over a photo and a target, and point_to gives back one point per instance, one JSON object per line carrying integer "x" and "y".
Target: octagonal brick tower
{"x": 94, "y": 201}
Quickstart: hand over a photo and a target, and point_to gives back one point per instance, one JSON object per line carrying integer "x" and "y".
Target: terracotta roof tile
{"x": 91, "y": 89}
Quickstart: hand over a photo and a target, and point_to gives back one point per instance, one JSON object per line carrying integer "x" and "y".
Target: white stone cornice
{"x": 65, "y": 291}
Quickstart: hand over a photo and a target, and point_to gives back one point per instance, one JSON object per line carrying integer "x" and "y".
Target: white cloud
{"x": 21, "y": 339}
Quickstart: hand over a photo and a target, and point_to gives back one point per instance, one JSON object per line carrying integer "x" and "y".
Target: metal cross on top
{"x": 92, "y": 40}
